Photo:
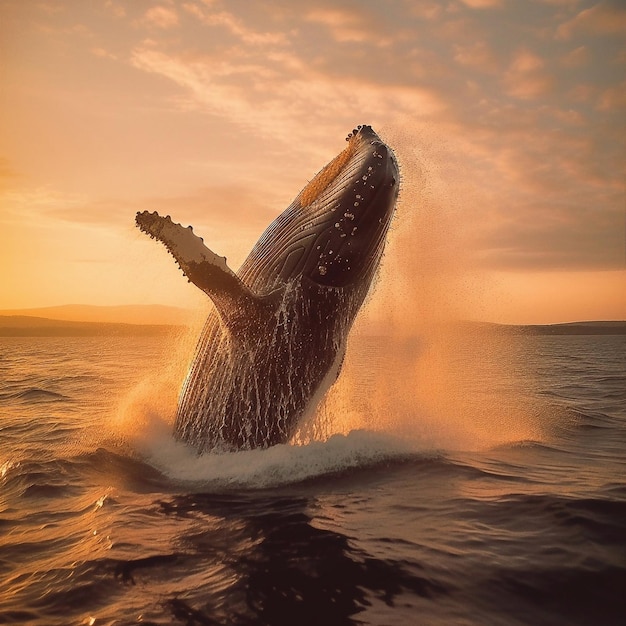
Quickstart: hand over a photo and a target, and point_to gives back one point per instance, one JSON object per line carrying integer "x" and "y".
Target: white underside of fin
{"x": 181, "y": 242}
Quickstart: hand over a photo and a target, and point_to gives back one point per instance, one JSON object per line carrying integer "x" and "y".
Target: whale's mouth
{"x": 334, "y": 231}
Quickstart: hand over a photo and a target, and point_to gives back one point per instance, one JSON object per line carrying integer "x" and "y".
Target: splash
{"x": 148, "y": 408}
{"x": 452, "y": 388}
{"x": 144, "y": 426}
{"x": 415, "y": 367}
{"x": 415, "y": 376}
{"x": 281, "y": 464}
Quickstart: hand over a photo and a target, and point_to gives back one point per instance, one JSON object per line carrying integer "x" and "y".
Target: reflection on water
{"x": 271, "y": 565}
{"x": 105, "y": 521}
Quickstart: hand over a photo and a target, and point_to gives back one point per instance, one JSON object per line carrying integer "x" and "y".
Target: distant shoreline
{"x": 569, "y": 328}
{"x": 31, "y": 326}
{"x": 26, "y": 326}
{"x": 138, "y": 314}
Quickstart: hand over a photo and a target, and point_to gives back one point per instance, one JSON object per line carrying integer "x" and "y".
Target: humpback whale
{"x": 274, "y": 341}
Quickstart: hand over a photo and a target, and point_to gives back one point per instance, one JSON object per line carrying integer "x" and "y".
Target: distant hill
{"x": 569, "y": 328}
{"x": 124, "y": 314}
{"x": 28, "y": 326}
{"x": 578, "y": 328}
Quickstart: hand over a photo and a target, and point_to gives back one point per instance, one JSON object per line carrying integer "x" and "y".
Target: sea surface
{"x": 445, "y": 480}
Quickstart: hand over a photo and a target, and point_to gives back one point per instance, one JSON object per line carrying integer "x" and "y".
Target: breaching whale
{"x": 275, "y": 338}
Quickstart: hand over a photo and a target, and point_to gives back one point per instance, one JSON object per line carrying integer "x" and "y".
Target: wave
{"x": 36, "y": 394}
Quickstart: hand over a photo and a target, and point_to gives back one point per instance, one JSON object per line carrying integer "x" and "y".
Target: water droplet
{"x": 337, "y": 225}
{"x": 322, "y": 270}
{"x": 358, "y": 197}
{"x": 356, "y": 204}
{"x": 363, "y": 177}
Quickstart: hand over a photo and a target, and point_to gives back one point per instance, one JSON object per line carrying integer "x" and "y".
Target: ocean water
{"x": 445, "y": 480}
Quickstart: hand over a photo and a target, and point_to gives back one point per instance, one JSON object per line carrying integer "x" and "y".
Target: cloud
{"x": 613, "y": 99}
{"x": 103, "y": 54}
{"x": 549, "y": 199}
{"x": 277, "y": 107}
{"x": 161, "y": 17}
{"x": 565, "y": 3}
{"x": 605, "y": 18}
{"x": 44, "y": 206}
{"x": 347, "y": 25}
{"x": 570, "y": 238}
{"x": 482, "y": 4}
{"x": 116, "y": 8}
{"x": 578, "y": 57}
{"x": 426, "y": 10}
{"x": 51, "y": 8}
{"x": 525, "y": 78}
{"x": 214, "y": 211}
{"x": 478, "y": 55}
{"x": 236, "y": 27}
{"x": 582, "y": 93}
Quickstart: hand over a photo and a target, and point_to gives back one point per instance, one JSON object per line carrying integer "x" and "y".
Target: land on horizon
{"x": 146, "y": 320}
{"x": 144, "y": 314}
{"x": 29, "y": 326}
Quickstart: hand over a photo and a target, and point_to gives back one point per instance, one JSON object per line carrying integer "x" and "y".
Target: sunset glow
{"x": 507, "y": 119}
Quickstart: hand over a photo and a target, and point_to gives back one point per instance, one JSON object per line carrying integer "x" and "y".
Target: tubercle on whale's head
{"x": 329, "y": 172}
{"x": 346, "y": 211}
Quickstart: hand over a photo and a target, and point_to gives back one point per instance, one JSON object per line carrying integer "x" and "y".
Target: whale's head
{"x": 334, "y": 231}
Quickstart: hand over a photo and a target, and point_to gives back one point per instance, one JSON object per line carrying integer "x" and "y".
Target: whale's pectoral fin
{"x": 205, "y": 269}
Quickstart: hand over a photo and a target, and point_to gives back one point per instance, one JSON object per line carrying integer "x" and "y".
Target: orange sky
{"x": 507, "y": 117}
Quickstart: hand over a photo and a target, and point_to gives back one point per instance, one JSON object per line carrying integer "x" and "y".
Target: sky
{"x": 508, "y": 119}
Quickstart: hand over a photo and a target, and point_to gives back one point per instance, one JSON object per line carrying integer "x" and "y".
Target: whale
{"x": 275, "y": 338}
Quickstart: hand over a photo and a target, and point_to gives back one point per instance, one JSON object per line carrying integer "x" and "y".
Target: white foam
{"x": 278, "y": 465}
